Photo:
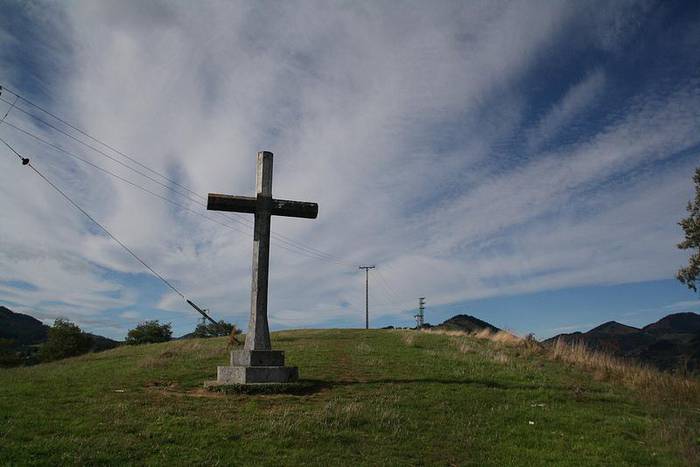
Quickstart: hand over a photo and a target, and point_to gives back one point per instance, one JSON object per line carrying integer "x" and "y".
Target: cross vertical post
{"x": 257, "y": 363}
{"x": 258, "y": 336}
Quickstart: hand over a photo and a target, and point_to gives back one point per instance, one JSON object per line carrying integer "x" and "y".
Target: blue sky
{"x": 524, "y": 162}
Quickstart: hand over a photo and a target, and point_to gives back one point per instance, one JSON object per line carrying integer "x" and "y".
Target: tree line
{"x": 65, "y": 339}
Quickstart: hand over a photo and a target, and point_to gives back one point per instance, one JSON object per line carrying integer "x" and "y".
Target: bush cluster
{"x": 149, "y": 332}
{"x": 65, "y": 339}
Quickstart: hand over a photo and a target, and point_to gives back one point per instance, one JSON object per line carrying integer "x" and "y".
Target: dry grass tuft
{"x": 501, "y": 358}
{"x": 409, "y": 338}
{"x": 675, "y": 391}
{"x": 649, "y": 382}
{"x": 337, "y": 415}
{"x": 444, "y": 332}
{"x": 233, "y": 340}
{"x": 463, "y": 346}
{"x": 501, "y": 337}
{"x": 284, "y": 423}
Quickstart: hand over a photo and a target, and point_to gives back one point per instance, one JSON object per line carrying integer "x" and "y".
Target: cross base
{"x": 256, "y": 366}
{"x": 257, "y": 358}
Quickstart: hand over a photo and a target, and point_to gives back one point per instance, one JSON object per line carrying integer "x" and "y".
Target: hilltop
{"x": 466, "y": 323}
{"x": 373, "y": 397}
{"x": 671, "y": 343}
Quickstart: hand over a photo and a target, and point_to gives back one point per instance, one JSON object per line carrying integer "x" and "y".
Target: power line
{"x": 317, "y": 254}
{"x": 12, "y": 106}
{"x": 391, "y": 293}
{"x": 25, "y": 161}
{"x": 291, "y": 247}
{"x": 238, "y": 219}
{"x": 295, "y": 247}
{"x": 117, "y": 176}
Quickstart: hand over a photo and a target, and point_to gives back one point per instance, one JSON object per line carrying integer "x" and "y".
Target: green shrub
{"x": 222, "y": 328}
{"x": 148, "y": 332}
{"x": 9, "y": 356}
{"x": 65, "y": 339}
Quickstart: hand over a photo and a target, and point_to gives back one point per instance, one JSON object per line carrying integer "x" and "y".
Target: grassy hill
{"x": 377, "y": 397}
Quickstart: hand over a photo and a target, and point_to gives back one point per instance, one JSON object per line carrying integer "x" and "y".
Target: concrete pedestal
{"x": 256, "y": 366}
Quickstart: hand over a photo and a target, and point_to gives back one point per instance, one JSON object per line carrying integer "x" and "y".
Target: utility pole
{"x": 420, "y": 317}
{"x": 367, "y": 268}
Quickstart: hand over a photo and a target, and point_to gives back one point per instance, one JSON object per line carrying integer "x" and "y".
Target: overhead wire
{"x": 12, "y": 106}
{"x": 27, "y": 162}
{"x": 392, "y": 295}
{"x": 285, "y": 245}
{"x": 152, "y": 193}
{"x": 236, "y": 218}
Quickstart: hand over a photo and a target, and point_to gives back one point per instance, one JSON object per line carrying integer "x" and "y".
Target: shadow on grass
{"x": 308, "y": 387}
{"x": 587, "y": 394}
{"x": 458, "y": 382}
{"x": 297, "y": 388}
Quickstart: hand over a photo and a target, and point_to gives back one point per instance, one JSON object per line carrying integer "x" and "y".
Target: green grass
{"x": 374, "y": 397}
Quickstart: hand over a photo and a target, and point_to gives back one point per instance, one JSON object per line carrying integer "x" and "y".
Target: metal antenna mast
{"x": 367, "y": 268}
{"x": 420, "y": 317}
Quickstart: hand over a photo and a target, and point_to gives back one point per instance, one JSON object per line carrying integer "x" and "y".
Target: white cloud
{"x": 684, "y": 305}
{"x": 392, "y": 119}
{"x": 576, "y": 99}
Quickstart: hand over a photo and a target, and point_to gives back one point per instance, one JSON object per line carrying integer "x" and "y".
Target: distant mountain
{"x": 678, "y": 323}
{"x": 613, "y": 328}
{"x": 101, "y": 343}
{"x": 671, "y": 343}
{"x": 20, "y": 328}
{"x": 466, "y": 323}
{"x": 25, "y": 332}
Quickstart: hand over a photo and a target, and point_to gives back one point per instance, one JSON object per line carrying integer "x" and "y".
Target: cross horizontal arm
{"x": 285, "y": 207}
{"x": 217, "y": 202}
{"x": 279, "y": 207}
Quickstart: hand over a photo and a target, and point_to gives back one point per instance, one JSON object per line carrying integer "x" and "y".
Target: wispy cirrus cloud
{"x": 413, "y": 128}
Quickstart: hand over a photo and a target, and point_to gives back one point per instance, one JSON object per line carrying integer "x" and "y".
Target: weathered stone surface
{"x": 257, "y": 358}
{"x": 256, "y": 374}
{"x": 257, "y": 362}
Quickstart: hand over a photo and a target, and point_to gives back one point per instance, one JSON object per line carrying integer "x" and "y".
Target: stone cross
{"x": 257, "y": 362}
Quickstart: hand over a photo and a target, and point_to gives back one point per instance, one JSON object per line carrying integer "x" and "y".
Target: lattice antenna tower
{"x": 420, "y": 316}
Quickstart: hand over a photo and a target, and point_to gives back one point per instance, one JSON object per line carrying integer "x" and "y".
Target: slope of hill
{"x": 374, "y": 398}
{"x": 466, "y": 323}
{"x": 672, "y": 343}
